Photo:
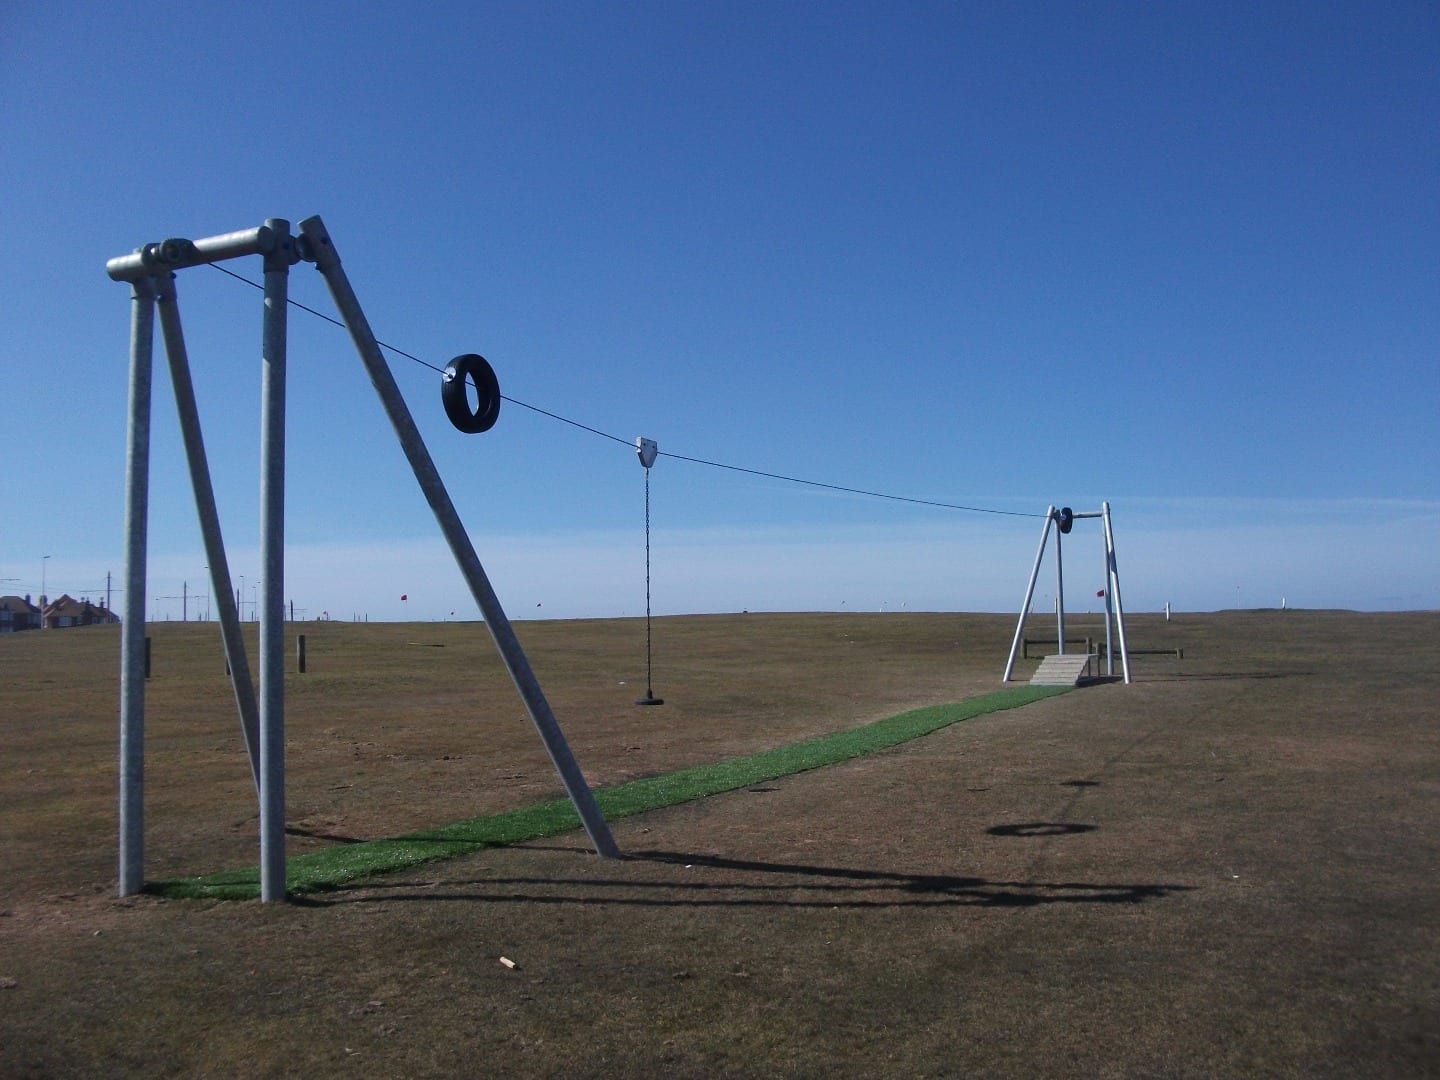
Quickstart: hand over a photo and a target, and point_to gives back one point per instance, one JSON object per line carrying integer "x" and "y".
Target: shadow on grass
{"x": 792, "y": 885}
{"x": 1040, "y": 828}
{"x": 296, "y": 830}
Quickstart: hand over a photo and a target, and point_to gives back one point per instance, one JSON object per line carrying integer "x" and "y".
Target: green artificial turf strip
{"x": 331, "y": 868}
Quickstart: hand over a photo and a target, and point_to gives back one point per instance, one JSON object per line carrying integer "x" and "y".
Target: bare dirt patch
{"x": 1227, "y": 867}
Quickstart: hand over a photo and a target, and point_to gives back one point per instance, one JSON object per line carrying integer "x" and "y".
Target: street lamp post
{"x": 44, "y": 563}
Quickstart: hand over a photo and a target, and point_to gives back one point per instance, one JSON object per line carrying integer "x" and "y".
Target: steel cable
{"x": 678, "y": 457}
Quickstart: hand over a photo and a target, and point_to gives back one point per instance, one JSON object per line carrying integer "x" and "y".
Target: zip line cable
{"x": 426, "y": 363}
{"x": 572, "y": 423}
{"x": 327, "y": 318}
{"x": 678, "y": 457}
{"x": 847, "y": 490}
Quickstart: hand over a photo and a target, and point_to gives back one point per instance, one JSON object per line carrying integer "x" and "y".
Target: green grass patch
{"x": 318, "y": 871}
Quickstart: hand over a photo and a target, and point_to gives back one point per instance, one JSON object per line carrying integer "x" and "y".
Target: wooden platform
{"x": 1067, "y": 669}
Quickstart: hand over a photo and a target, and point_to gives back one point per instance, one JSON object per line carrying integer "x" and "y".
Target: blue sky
{"x": 1182, "y": 257}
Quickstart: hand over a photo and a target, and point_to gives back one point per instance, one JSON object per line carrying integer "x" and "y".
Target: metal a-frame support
{"x": 1114, "y": 607}
{"x": 150, "y": 271}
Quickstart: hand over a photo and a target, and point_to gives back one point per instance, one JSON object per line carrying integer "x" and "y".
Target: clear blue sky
{"x": 1184, "y": 257}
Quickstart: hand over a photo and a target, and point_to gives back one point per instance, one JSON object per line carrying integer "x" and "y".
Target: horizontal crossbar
{"x": 176, "y": 254}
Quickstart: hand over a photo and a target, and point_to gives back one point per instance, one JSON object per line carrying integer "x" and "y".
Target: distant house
{"x": 67, "y": 611}
{"x": 18, "y": 613}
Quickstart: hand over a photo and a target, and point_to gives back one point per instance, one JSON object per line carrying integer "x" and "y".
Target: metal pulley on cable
{"x": 456, "y": 381}
{"x": 647, "y": 451}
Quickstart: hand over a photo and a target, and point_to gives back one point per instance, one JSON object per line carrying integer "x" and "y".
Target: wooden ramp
{"x": 1068, "y": 669}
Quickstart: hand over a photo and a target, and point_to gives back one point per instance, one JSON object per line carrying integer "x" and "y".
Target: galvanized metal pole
{"x": 646, "y": 450}
{"x": 1029, "y": 594}
{"x": 132, "y": 637}
{"x": 1059, "y": 591}
{"x": 319, "y": 247}
{"x": 272, "y": 559}
{"x": 1115, "y": 587}
{"x": 189, "y": 414}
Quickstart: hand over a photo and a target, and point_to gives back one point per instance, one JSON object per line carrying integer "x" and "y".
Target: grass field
{"x": 1226, "y": 868}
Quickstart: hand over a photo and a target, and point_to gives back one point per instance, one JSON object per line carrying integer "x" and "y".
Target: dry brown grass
{"x": 1226, "y": 868}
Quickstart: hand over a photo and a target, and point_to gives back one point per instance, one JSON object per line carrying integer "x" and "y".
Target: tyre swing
{"x": 647, "y": 450}
{"x": 455, "y": 382}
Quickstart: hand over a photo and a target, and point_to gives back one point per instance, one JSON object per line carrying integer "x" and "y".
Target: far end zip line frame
{"x": 1114, "y": 609}
{"x": 150, "y": 272}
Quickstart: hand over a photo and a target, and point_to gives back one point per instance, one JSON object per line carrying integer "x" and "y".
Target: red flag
{"x": 1100, "y": 593}
{"x": 404, "y": 596}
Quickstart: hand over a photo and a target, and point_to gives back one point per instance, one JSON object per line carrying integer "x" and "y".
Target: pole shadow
{"x": 296, "y": 830}
{"x": 1041, "y": 828}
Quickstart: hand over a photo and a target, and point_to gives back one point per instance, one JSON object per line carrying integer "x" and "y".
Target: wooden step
{"x": 1067, "y": 669}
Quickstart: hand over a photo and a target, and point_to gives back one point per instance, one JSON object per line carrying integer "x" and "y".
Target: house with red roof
{"x": 67, "y": 611}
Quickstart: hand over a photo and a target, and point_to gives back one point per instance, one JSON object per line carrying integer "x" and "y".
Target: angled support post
{"x": 190, "y": 434}
{"x": 317, "y": 247}
{"x": 1109, "y": 607}
{"x": 1113, "y": 586}
{"x": 1029, "y": 593}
